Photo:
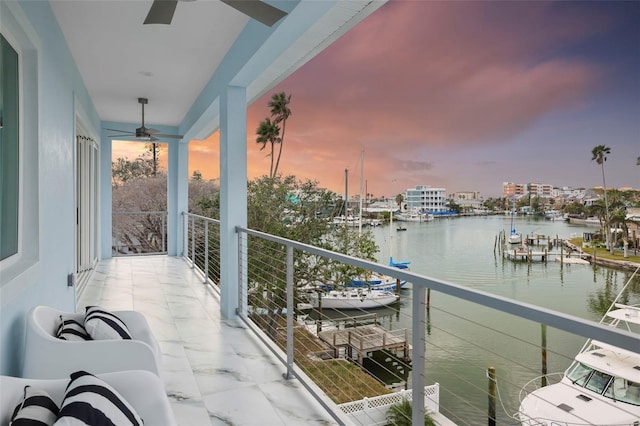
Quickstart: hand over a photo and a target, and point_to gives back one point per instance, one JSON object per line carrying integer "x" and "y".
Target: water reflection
{"x": 601, "y": 299}
{"x": 464, "y": 338}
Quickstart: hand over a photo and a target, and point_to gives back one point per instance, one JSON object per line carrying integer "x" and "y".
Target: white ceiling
{"x": 120, "y": 59}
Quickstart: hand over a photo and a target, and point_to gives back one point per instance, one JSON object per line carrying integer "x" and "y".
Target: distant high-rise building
{"x": 510, "y": 189}
{"x": 536, "y": 189}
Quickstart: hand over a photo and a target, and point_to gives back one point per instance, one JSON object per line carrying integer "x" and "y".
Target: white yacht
{"x": 601, "y": 387}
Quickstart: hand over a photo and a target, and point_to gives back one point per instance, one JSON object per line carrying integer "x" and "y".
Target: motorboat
{"x": 355, "y": 298}
{"x": 601, "y": 387}
{"x": 350, "y": 221}
{"x": 553, "y": 215}
{"x": 374, "y": 222}
{"x": 413, "y": 216}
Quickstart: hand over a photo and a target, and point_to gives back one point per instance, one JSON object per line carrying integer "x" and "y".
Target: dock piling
{"x": 491, "y": 414}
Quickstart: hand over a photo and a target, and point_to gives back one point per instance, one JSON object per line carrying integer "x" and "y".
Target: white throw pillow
{"x": 104, "y": 325}
{"x": 70, "y": 329}
{"x": 88, "y": 400}
{"x": 36, "y": 408}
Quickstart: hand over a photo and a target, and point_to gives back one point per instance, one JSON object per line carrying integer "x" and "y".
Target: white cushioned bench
{"x": 143, "y": 390}
{"x": 48, "y": 357}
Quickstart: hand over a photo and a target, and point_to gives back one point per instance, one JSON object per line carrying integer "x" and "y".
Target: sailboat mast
{"x": 346, "y": 191}
{"x": 513, "y": 210}
{"x": 390, "y": 235}
{"x": 361, "y": 188}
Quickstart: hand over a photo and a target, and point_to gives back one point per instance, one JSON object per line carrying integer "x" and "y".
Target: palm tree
{"x": 154, "y": 149}
{"x": 599, "y": 154}
{"x": 268, "y": 132}
{"x": 280, "y": 111}
{"x": 399, "y": 200}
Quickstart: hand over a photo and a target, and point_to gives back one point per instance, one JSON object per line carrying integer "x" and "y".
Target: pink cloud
{"x": 420, "y": 74}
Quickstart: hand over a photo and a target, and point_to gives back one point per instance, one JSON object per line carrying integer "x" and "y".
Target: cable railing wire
{"x": 267, "y": 287}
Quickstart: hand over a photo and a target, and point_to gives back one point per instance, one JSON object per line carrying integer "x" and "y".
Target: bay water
{"x": 463, "y": 338}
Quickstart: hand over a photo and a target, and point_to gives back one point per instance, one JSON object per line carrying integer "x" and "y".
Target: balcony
{"x": 215, "y": 371}
{"x": 274, "y": 363}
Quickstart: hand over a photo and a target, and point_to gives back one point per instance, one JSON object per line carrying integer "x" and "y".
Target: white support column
{"x": 177, "y": 194}
{"x": 105, "y": 197}
{"x": 233, "y": 192}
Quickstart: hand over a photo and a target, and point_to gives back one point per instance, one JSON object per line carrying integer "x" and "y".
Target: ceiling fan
{"x": 143, "y": 133}
{"x": 161, "y": 11}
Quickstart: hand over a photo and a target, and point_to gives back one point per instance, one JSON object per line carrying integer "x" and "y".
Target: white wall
{"x": 49, "y": 184}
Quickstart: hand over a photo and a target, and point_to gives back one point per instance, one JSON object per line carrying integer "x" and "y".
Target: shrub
{"x": 400, "y": 415}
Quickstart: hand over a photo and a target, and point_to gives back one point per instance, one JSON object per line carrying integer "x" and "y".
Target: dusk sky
{"x": 463, "y": 96}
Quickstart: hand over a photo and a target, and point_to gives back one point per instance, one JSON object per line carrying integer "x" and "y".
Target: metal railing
{"x": 275, "y": 272}
{"x": 138, "y": 233}
{"x": 202, "y": 245}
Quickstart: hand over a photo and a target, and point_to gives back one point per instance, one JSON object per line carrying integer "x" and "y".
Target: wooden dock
{"x": 572, "y": 260}
{"x": 360, "y": 341}
{"x": 524, "y": 255}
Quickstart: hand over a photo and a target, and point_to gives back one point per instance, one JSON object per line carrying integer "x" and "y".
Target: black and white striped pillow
{"x": 102, "y": 324}
{"x": 88, "y": 400}
{"x": 70, "y": 329}
{"x": 36, "y": 409}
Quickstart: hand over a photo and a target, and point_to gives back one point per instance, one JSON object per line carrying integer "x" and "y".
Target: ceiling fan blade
{"x": 161, "y": 12}
{"x": 121, "y": 131}
{"x": 151, "y": 131}
{"x": 160, "y": 135}
{"x": 258, "y": 10}
{"x": 122, "y": 136}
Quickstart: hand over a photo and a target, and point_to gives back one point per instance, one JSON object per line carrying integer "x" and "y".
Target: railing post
{"x": 164, "y": 221}
{"x": 290, "y": 313}
{"x": 193, "y": 242}
{"x": 206, "y": 251}
{"x": 419, "y": 342}
{"x": 115, "y": 233}
{"x": 243, "y": 261}
{"x": 184, "y": 232}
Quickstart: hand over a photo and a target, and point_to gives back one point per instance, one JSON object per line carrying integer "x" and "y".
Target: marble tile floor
{"x": 216, "y": 372}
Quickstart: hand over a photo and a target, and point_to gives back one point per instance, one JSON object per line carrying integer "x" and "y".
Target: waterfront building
{"x": 426, "y": 198}
{"x": 568, "y": 192}
{"x": 465, "y": 195}
{"x": 469, "y": 202}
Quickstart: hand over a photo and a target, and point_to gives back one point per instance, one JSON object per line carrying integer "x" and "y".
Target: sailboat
{"x": 372, "y": 280}
{"x": 354, "y": 298}
{"x": 514, "y": 237}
